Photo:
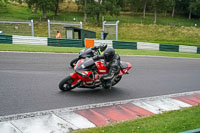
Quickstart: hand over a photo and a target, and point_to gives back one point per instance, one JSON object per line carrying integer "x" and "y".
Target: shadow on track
{"x": 98, "y": 92}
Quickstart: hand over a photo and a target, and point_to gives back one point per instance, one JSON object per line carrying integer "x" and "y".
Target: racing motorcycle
{"x": 85, "y": 53}
{"x": 88, "y": 73}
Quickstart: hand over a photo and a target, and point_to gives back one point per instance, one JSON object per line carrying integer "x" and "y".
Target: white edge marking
{"x": 65, "y": 120}
{"x": 76, "y": 119}
{"x": 161, "y": 104}
{"x": 63, "y": 110}
{"x": 7, "y": 127}
{"x": 21, "y": 52}
{"x": 43, "y": 124}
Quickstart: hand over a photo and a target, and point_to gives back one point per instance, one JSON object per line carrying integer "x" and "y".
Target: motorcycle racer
{"x": 100, "y": 49}
{"x": 112, "y": 62}
{"x": 89, "y": 52}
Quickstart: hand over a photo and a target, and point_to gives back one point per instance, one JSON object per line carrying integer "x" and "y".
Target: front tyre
{"x": 66, "y": 84}
{"x": 107, "y": 84}
{"x": 116, "y": 80}
{"x": 73, "y": 62}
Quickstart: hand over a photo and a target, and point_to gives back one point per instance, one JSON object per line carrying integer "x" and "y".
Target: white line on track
{"x": 63, "y": 110}
{"x": 20, "y": 52}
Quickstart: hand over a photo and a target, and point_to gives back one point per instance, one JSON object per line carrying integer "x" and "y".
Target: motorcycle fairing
{"x": 85, "y": 65}
{"x": 125, "y": 66}
{"x": 102, "y": 69}
{"x": 86, "y": 53}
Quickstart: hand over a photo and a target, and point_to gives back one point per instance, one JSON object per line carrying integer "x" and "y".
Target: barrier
{"x": 124, "y": 45}
{"x": 198, "y": 50}
{"x": 148, "y": 46}
{"x": 166, "y": 47}
{"x": 6, "y": 39}
{"x": 29, "y": 40}
{"x": 108, "y": 42}
{"x": 188, "y": 49}
{"x": 64, "y": 42}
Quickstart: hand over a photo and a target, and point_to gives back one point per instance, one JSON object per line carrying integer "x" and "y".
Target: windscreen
{"x": 86, "y": 64}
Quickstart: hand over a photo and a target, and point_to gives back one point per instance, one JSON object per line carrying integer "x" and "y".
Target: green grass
{"x": 38, "y": 48}
{"x": 17, "y": 12}
{"x": 132, "y": 27}
{"x": 156, "y": 53}
{"x": 169, "y": 122}
{"x": 137, "y": 18}
{"x": 160, "y": 34}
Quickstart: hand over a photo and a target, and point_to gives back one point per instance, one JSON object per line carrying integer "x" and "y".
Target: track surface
{"x": 29, "y": 81}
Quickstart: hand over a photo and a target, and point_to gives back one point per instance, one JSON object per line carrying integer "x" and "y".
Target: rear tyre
{"x": 73, "y": 62}
{"x": 116, "y": 80}
{"x": 66, "y": 84}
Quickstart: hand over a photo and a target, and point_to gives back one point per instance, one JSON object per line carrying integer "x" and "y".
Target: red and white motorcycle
{"x": 88, "y": 72}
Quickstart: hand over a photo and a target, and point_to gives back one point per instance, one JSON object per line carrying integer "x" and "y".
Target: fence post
{"x": 32, "y": 25}
{"x": 81, "y": 25}
{"x": 117, "y": 29}
{"x": 103, "y": 25}
{"x": 49, "y": 34}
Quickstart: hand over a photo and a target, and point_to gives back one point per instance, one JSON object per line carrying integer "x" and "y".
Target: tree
{"x": 82, "y": 5}
{"x": 173, "y": 5}
{"x": 136, "y": 5}
{"x": 56, "y": 8}
{"x": 43, "y": 5}
{"x": 144, "y": 8}
{"x": 123, "y": 4}
{"x": 3, "y": 3}
{"x": 195, "y": 7}
{"x": 85, "y": 13}
{"x": 140, "y": 5}
{"x": 155, "y": 4}
{"x": 184, "y": 8}
{"x": 97, "y": 8}
{"x": 159, "y": 5}
{"x": 191, "y": 6}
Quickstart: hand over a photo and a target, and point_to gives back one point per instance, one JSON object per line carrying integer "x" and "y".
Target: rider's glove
{"x": 96, "y": 57}
{"x": 94, "y": 48}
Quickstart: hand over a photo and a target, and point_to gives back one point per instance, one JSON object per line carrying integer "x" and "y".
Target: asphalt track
{"x": 29, "y": 81}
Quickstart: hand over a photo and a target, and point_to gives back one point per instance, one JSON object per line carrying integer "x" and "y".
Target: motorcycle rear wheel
{"x": 73, "y": 62}
{"x": 66, "y": 84}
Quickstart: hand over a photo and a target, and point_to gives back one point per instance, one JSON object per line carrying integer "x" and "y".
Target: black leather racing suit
{"x": 113, "y": 69}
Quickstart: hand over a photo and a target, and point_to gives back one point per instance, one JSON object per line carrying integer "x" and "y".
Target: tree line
{"x": 180, "y": 7}
{"x": 96, "y": 8}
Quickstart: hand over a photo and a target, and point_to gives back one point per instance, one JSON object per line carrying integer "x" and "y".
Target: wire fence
{"x": 54, "y": 26}
{"x": 26, "y": 28}
{"x": 17, "y": 27}
{"x": 112, "y": 29}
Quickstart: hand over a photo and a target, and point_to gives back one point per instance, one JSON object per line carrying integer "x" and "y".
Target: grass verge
{"x": 132, "y": 27}
{"x": 38, "y": 48}
{"x": 169, "y": 122}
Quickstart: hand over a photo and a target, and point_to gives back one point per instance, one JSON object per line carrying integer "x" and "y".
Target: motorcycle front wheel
{"x": 73, "y": 62}
{"x": 116, "y": 80}
{"x": 66, "y": 84}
